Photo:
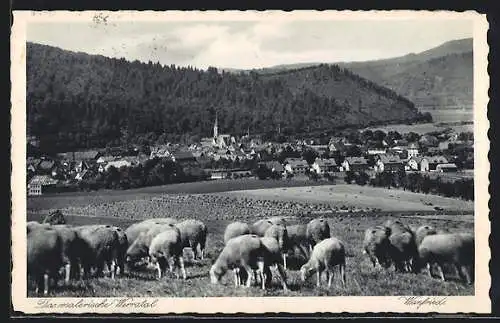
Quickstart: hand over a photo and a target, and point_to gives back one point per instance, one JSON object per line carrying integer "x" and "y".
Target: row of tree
{"x": 416, "y": 182}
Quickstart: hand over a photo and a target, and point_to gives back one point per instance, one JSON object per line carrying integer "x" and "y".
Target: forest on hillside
{"x": 76, "y": 100}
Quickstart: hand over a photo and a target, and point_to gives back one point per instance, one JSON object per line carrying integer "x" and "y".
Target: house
{"x": 320, "y": 149}
{"x": 412, "y": 150}
{"x": 450, "y": 167}
{"x": 81, "y": 166}
{"x": 296, "y": 166}
{"x": 354, "y": 164}
{"x": 86, "y": 155}
{"x": 86, "y": 174}
{"x": 183, "y": 157}
{"x": 375, "y": 151}
{"x": 116, "y": 164}
{"x": 39, "y": 183}
{"x": 414, "y": 163}
{"x": 324, "y": 165}
{"x": 388, "y": 163}
{"x": 160, "y": 152}
{"x": 105, "y": 159}
{"x": 429, "y": 163}
{"x": 336, "y": 147}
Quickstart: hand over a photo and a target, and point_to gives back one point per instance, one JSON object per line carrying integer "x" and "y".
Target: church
{"x": 220, "y": 141}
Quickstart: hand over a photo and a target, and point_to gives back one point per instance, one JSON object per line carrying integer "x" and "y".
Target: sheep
{"x": 140, "y": 247}
{"x": 165, "y": 246}
{"x": 33, "y": 225}
{"x": 316, "y": 231}
{"x": 456, "y": 249}
{"x": 423, "y": 231}
{"x": 260, "y": 227}
{"x": 376, "y": 245}
{"x": 45, "y": 257}
{"x": 280, "y": 233}
{"x": 297, "y": 237}
{"x": 194, "y": 236}
{"x": 235, "y": 229}
{"x": 273, "y": 257}
{"x": 325, "y": 255}
{"x": 123, "y": 245}
{"x": 136, "y": 229}
{"x": 242, "y": 252}
{"x": 403, "y": 250}
{"x": 101, "y": 248}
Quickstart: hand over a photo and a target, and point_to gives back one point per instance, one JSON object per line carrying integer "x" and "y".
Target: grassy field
{"x": 219, "y": 209}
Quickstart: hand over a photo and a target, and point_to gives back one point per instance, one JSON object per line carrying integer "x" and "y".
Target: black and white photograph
{"x": 262, "y": 157}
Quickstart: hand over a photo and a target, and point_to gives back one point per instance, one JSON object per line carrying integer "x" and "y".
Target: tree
{"x": 309, "y": 156}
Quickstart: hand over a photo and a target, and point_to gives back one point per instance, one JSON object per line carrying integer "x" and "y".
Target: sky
{"x": 250, "y": 44}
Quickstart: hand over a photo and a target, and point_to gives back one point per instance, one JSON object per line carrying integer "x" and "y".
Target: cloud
{"x": 251, "y": 44}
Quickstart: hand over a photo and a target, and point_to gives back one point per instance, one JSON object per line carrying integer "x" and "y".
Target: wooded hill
{"x": 76, "y": 100}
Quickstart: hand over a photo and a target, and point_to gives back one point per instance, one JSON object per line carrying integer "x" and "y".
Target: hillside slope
{"x": 76, "y": 100}
{"x": 440, "y": 77}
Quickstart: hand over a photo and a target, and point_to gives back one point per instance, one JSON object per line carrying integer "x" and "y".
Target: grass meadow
{"x": 217, "y": 209}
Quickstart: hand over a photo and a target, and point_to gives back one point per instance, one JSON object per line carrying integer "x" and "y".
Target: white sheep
{"x": 242, "y": 252}
{"x": 235, "y": 229}
{"x": 324, "y": 257}
{"x": 166, "y": 248}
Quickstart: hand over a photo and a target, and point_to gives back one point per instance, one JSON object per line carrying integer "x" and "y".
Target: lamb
{"x": 165, "y": 246}
{"x": 456, "y": 249}
{"x": 136, "y": 229}
{"x": 243, "y": 252}
{"x": 194, "y": 236}
{"x": 376, "y": 245}
{"x": 45, "y": 257}
{"x": 140, "y": 247}
{"x": 235, "y": 229}
{"x": 316, "y": 231}
{"x": 324, "y": 257}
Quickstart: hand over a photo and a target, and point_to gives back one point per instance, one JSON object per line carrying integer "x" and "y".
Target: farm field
{"x": 219, "y": 209}
{"x": 83, "y": 198}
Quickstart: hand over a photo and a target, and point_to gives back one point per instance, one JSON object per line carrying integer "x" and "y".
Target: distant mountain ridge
{"x": 76, "y": 100}
{"x": 438, "y": 77}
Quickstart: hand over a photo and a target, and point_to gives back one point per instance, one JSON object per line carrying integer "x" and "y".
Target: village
{"x": 224, "y": 156}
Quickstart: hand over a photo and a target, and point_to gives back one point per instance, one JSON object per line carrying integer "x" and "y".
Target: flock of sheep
{"x": 250, "y": 251}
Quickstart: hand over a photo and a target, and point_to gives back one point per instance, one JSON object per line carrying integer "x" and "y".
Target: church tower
{"x": 216, "y": 130}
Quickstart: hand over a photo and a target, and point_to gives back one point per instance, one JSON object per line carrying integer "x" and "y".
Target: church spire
{"x": 216, "y": 130}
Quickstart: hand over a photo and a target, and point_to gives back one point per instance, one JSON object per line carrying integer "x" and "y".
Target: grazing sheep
{"x": 33, "y": 225}
{"x": 260, "y": 227}
{"x": 422, "y": 232}
{"x": 235, "y": 229}
{"x": 316, "y": 231}
{"x": 403, "y": 251}
{"x": 280, "y": 233}
{"x": 140, "y": 247}
{"x": 122, "y": 249}
{"x": 45, "y": 257}
{"x": 456, "y": 249}
{"x": 324, "y": 257}
{"x": 166, "y": 246}
{"x": 297, "y": 237}
{"x": 101, "y": 248}
{"x": 273, "y": 257}
{"x": 243, "y": 252}
{"x": 194, "y": 236}
{"x": 376, "y": 245}
{"x": 136, "y": 229}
